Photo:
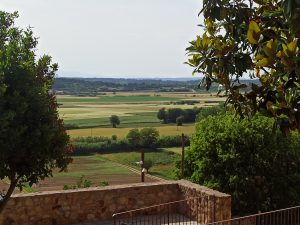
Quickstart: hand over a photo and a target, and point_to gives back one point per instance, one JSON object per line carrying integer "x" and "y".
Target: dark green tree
{"x": 173, "y": 113}
{"x": 247, "y": 159}
{"x": 162, "y": 115}
{"x": 179, "y": 120}
{"x": 114, "y": 120}
{"x": 134, "y": 138}
{"x": 149, "y": 137}
{"x": 33, "y": 140}
{"x": 256, "y": 38}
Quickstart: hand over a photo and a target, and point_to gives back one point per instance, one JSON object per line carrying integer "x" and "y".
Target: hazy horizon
{"x": 116, "y": 38}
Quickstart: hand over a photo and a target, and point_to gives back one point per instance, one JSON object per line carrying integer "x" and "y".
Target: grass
{"x": 163, "y": 161}
{"x": 94, "y": 168}
{"x": 102, "y": 168}
{"x": 126, "y": 121}
{"x": 122, "y": 132}
{"x": 176, "y": 150}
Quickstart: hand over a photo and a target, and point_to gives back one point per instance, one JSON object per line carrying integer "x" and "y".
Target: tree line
{"x": 178, "y": 115}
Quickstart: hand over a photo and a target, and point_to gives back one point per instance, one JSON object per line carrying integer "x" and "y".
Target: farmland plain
{"x": 90, "y": 117}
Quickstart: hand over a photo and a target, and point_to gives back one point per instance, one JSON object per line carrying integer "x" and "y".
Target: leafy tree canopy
{"x": 114, "y": 120}
{"x": 258, "y": 167}
{"x": 33, "y": 140}
{"x": 258, "y": 38}
{"x": 149, "y": 137}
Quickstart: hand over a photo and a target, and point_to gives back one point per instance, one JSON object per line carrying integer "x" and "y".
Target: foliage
{"x": 249, "y": 160}
{"x": 103, "y": 145}
{"x": 162, "y": 115}
{"x": 257, "y": 38}
{"x": 211, "y": 111}
{"x": 81, "y": 183}
{"x": 179, "y": 120}
{"x": 134, "y": 137}
{"x": 189, "y": 115}
{"x": 171, "y": 115}
{"x": 96, "y": 86}
{"x": 103, "y": 184}
{"x": 149, "y": 137}
{"x": 33, "y": 140}
{"x": 172, "y": 141}
{"x": 110, "y": 146}
{"x": 148, "y": 163}
{"x": 114, "y": 120}
{"x": 163, "y": 161}
{"x": 114, "y": 137}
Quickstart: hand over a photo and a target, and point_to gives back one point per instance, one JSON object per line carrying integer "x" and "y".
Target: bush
{"x": 114, "y": 137}
{"x": 172, "y": 141}
{"x": 148, "y": 163}
{"x": 179, "y": 120}
{"x": 259, "y": 168}
{"x": 149, "y": 137}
{"x": 171, "y": 115}
{"x": 114, "y": 120}
{"x": 211, "y": 111}
{"x": 109, "y": 146}
{"x": 134, "y": 138}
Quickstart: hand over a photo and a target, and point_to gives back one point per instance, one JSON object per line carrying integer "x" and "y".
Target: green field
{"x": 133, "y": 109}
{"x": 137, "y": 119}
{"x": 104, "y": 167}
{"x": 91, "y": 115}
{"x": 163, "y": 161}
{"x": 117, "y": 99}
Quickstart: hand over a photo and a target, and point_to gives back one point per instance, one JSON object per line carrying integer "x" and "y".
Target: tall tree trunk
{"x": 11, "y": 189}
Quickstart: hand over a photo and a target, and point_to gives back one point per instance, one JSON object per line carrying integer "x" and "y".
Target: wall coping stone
{"x": 202, "y": 189}
{"x": 92, "y": 189}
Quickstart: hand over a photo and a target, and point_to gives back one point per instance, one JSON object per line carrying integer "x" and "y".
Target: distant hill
{"x": 94, "y": 86}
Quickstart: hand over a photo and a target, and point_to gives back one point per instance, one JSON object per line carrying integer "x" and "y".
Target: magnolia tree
{"x": 33, "y": 140}
{"x": 256, "y": 39}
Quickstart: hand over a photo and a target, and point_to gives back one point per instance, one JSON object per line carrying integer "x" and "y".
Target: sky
{"x": 113, "y": 38}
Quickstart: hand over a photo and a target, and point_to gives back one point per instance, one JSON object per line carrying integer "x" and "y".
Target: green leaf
{"x": 253, "y": 33}
{"x": 263, "y": 62}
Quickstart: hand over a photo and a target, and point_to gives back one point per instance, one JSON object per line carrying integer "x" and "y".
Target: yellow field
{"x": 122, "y": 132}
{"x": 85, "y": 111}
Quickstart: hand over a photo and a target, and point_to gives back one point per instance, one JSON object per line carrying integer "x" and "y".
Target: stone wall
{"x": 211, "y": 205}
{"x": 98, "y": 204}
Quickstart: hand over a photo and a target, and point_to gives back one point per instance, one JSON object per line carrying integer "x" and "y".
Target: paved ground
{"x": 174, "y": 219}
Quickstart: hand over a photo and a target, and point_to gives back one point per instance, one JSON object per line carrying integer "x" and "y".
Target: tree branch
{"x": 9, "y": 192}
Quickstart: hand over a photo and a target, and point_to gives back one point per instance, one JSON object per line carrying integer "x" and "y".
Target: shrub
{"x": 114, "y": 120}
{"x": 172, "y": 141}
{"x": 114, "y": 137}
{"x": 103, "y": 184}
{"x": 148, "y": 163}
{"x": 149, "y": 137}
{"x": 211, "y": 111}
{"x": 257, "y": 166}
{"x": 134, "y": 138}
{"x": 179, "y": 120}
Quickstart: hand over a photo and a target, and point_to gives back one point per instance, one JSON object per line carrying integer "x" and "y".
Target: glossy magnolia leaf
{"x": 198, "y": 42}
{"x": 292, "y": 46}
{"x": 253, "y": 33}
{"x": 269, "y": 48}
{"x": 263, "y": 62}
{"x": 205, "y": 41}
{"x": 259, "y": 57}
